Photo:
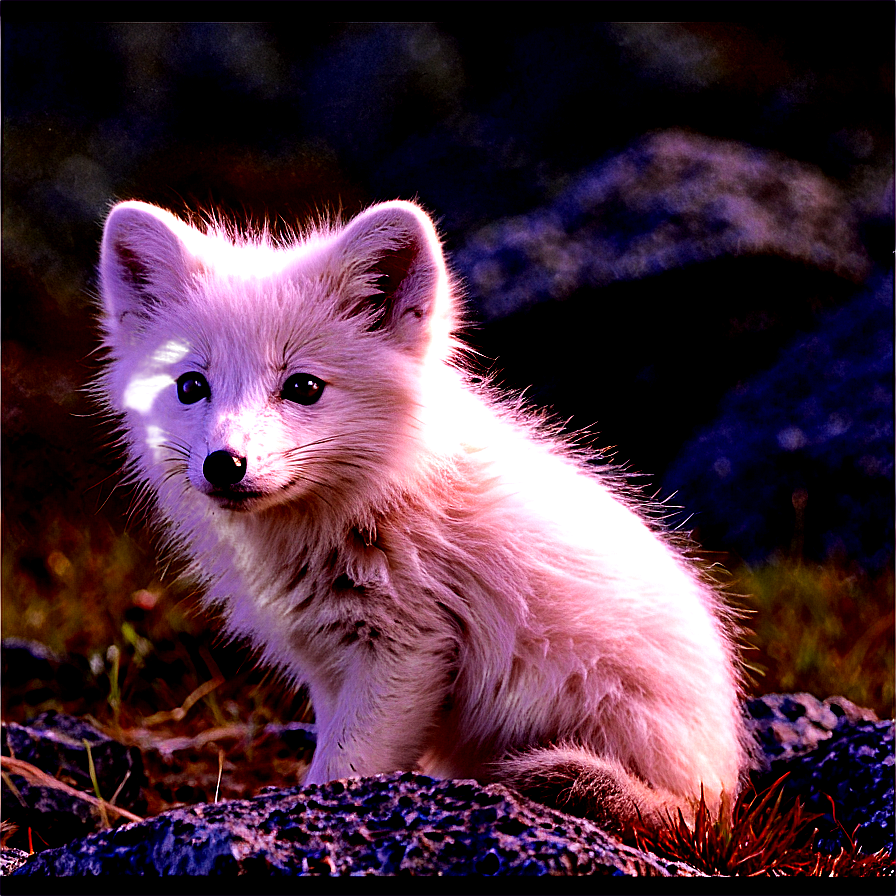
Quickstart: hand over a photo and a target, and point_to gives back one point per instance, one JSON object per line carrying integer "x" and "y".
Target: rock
{"x": 830, "y": 750}
{"x": 854, "y": 768}
{"x": 814, "y": 431}
{"x": 55, "y": 743}
{"x": 789, "y": 725}
{"x": 669, "y": 200}
{"x": 11, "y": 858}
{"x": 32, "y": 674}
{"x": 388, "y": 824}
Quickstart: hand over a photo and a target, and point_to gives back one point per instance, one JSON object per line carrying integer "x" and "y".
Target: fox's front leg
{"x": 381, "y": 712}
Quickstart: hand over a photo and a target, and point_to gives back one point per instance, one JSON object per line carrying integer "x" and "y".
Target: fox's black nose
{"x": 224, "y": 468}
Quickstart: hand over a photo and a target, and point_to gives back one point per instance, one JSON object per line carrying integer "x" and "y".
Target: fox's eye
{"x": 192, "y": 387}
{"x": 302, "y": 388}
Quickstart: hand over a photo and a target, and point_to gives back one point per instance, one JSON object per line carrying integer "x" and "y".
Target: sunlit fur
{"x": 460, "y": 592}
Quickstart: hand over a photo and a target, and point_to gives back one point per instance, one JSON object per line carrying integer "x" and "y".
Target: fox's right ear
{"x": 147, "y": 260}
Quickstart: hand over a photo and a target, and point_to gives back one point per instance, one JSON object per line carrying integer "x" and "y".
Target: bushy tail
{"x": 582, "y": 783}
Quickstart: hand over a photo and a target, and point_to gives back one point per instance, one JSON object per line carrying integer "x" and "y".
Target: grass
{"x": 154, "y": 666}
{"x": 762, "y": 835}
{"x": 823, "y": 630}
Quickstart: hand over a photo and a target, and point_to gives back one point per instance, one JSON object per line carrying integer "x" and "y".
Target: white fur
{"x": 455, "y": 586}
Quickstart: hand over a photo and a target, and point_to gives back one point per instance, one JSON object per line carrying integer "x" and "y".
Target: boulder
{"x": 813, "y": 431}
{"x": 839, "y": 760}
{"x": 63, "y": 747}
{"x": 32, "y": 674}
{"x": 668, "y": 201}
{"x": 388, "y": 824}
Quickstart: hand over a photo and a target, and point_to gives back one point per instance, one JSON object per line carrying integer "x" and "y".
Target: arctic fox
{"x": 459, "y": 591}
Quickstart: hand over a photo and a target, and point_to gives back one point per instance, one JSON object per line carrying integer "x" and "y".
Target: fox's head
{"x": 257, "y": 375}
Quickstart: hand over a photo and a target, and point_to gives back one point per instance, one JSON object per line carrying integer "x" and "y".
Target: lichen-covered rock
{"x": 58, "y": 744}
{"x": 788, "y": 725}
{"x": 11, "y": 858}
{"x": 830, "y": 750}
{"x": 388, "y": 824}
{"x": 855, "y": 769}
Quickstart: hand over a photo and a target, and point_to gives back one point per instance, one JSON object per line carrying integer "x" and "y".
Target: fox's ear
{"x": 392, "y": 271}
{"x": 146, "y": 263}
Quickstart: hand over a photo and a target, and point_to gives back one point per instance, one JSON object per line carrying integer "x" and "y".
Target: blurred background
{"x": 677, "y": 234}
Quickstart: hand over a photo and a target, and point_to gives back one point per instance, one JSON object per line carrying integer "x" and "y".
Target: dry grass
{"x": 762, "y": 835}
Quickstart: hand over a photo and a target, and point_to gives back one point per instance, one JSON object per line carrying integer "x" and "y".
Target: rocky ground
{"x": 407, "y": 823}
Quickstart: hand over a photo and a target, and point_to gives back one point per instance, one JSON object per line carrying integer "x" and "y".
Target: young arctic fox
{"x": 459, "y": 591}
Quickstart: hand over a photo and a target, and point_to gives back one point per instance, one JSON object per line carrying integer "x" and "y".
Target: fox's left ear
{"x": 393, "y": 273}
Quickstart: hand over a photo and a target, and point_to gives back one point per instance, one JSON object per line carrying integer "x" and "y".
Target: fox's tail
{"x": 576, "y": 780}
